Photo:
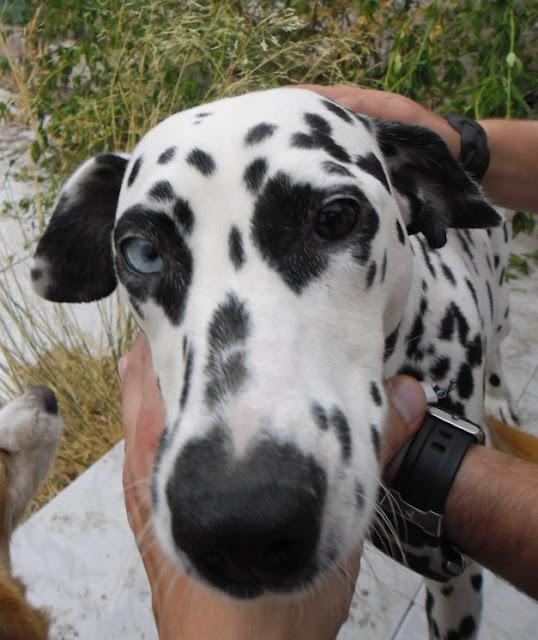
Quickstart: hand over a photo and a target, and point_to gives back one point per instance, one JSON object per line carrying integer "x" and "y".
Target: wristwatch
{"x": 411, "y": 529}
{"x": 474, "y": 154}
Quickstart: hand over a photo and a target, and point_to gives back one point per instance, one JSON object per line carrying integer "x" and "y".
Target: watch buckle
{"x": 430, "y": 522}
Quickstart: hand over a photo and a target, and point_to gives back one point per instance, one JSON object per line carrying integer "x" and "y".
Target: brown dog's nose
{"x": 249, "y": 525}
{"x": 47, "y": 398}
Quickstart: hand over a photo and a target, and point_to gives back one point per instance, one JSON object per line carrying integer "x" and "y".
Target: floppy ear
{"x": 73, "y": 260}
{"x": 433, "y": 190}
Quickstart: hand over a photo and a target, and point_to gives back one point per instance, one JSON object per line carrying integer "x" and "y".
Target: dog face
{"x": 30, "y": 429}
{"x": 262, "y": 243}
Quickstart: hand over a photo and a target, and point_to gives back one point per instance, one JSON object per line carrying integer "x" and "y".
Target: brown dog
{"x": 30, "y": 428}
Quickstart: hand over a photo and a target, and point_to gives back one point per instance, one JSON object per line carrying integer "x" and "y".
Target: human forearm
{"x": 492, "y": 515}
{"x": 512, "y": 176}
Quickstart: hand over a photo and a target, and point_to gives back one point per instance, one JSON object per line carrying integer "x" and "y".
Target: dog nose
{"x": 249, "y": 525}
{"x": 47, "y": 398}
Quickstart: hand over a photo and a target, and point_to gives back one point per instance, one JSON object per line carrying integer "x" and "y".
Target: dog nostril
{"x": 280, "y": 552}
{"x": 47, "y": 397}
{"x": 36, "y": 273}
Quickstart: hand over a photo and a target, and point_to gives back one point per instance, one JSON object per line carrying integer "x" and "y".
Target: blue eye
{"x": 141, "y": 255}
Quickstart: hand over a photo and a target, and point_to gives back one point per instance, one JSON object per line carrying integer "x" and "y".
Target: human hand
{"x": 389, "y": 106}
{"x": 184, "y": 608}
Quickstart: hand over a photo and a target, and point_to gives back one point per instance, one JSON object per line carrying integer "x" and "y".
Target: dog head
{"x": 30, "y": 430}
{"x": 262, "y": 243}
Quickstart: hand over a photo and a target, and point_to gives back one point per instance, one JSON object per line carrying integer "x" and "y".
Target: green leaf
{"x": 523, "y": 222}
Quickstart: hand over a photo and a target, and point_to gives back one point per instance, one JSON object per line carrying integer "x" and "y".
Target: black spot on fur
{"x": 334, "y": 168}
{"x": 226, "y": 368}
{"x": 476, "y": 581}
{"x": 376, "y": 440}
{"x": 134, "y": 171}
{"x": 202, "y": 161}
{"x": 162, "y": 191}
{"x": 390, "y": 343}
{"x": 35, "y": 273}
{"x": 254, "y": 174}
{"x": 167, "y": 155}
{"x": 282, "y": 228}
{"x": 496, "y": 261}
{"x": 475, "y": 351}
{"x": 501, "y": 277}
{"x": 368, "y": 227}
{"x": 370, "y": 276}
{"x": 471, "y": 288}
{"x": 384, "y": 267}
{"x": 414, "y": 337}
{"x": 338, "y": 111}
{"x": 467, "y": 249}
{"x": 464, "y": 381}
{"x": 359, "y": 495}
{"x": 235, "y": 248}
{"x": 317, "y": 124}
{"x": 319, "y": 138}
{"x": 187, "y": 378}
{"x": 448, "y": 274}
{"x": 410, "y": 370}
{"x": 371, "y": 164}
{"x": 439, "y": 370}
{"x": 452, "y": 406}
{"x": 490, "y": 299}
{"x": 494, "y": 380}
{"x": 505, "y": 232}
{"x": 183, "y": 214}
{"x": 340, "y": 424}
{"x": 202, "y": 114}
{"x": 320, "y": 416}
{"x": 426, "y": 253}
{"x": 364, "y": 120}
{"x": 447, "y": 589}
{"x": 453, "y": 316}
{"x": 260, "y": 132}
{"x": 278, "y": 231}
{"x": 429, "y": 603}
{"x": 400, "y": 231}
{"x": 375, "y": 393}
{"x": 303, "y": 141}
{"x": 169, "y": 288}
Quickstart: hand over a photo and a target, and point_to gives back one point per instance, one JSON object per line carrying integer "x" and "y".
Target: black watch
{"x": 474, "y": 154}
{"x": 415, "y": 504}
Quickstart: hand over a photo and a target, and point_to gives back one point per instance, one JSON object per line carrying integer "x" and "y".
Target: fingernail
{"x": 408, "y": 397}
{"x": 122, "y": 366}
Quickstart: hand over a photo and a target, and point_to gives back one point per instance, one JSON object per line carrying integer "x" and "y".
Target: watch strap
{"x": 474, "y": 154}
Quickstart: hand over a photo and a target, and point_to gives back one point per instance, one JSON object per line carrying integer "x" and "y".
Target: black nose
{"x": 248, "y": 525}
{"x": 47, "y": 398}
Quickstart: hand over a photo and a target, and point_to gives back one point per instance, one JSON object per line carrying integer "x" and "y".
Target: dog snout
{"x": 249, "y": 525}
{"x": 46, "y": 397}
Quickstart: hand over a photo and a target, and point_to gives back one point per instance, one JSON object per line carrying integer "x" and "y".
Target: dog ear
{"x": 433, "y": 190}
{"x": 73, "y": 260}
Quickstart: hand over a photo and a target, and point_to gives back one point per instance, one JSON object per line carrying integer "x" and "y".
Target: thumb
{"x": 407, "y": 408}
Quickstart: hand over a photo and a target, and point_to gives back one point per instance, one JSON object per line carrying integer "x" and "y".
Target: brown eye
{"x": 336, "y": 219}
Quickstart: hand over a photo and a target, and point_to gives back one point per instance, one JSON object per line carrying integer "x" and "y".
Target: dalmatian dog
{"x": 284, "y": 255}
